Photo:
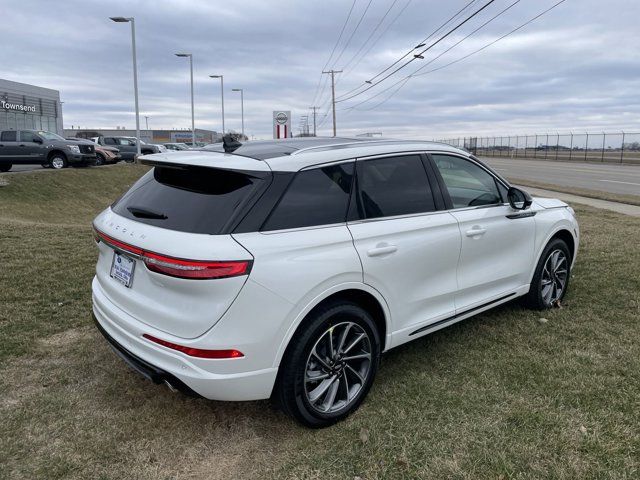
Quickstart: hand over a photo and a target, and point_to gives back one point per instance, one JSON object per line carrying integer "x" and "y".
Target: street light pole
{"x": 241, "y": 90}
{"x": 132, "y": 21}
{"x": 193, "y": 121}
{"x": 221, "y": 77}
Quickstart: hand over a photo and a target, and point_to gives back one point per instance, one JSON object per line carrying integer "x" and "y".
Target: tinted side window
{"x": 315, "y": 197}
{"x": 8, "y": 136}
{"x": 393, "y": 186}
{"x": 28, "y": 136}
{"x": 109, "y": 141}
{"x": 468, "y": 184}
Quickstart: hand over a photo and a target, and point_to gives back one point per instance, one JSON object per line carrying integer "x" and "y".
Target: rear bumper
{"x": 145, "y": 369}
{"x": 159, "y": 363}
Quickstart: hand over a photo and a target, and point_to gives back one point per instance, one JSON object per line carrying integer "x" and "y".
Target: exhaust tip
{"x": 171, "y": 387}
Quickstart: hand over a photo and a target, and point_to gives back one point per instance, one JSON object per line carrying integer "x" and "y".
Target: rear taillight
{"x": 196, "y": 352}
{"x": 178, "y": 267}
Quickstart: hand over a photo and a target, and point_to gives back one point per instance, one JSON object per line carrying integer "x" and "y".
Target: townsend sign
{"x": 17, "y": 106}
{"x": 281, "y": 124}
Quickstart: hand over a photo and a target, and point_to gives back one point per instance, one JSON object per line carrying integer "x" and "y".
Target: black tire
{"x": 58, "y": 161}
{"x": 354, "y": 377}
{"x": 5, "y": 167}
{"x": 543, "y": 295}
{"x": 100, "y": 160}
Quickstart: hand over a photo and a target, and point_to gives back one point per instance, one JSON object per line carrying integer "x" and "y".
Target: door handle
{"x": 22, "y": 145}
{"x": 476, "y": 231}
{"x": 382, "y": 249}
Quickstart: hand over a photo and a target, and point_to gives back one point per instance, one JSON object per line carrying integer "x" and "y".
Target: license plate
{"x": 122, "y": 269}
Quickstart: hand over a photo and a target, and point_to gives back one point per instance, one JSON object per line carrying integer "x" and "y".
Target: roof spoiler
{"x": 230, "y": 144}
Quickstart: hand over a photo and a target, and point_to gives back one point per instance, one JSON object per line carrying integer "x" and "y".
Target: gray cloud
{"x": 576, "y": 68}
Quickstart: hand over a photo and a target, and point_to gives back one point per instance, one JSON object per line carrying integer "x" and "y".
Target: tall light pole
{"x": 221, "y": 77}
{"x": 241, "y": 90}
{"x": 132, "y": 21}
{"x": 193, "y": 121}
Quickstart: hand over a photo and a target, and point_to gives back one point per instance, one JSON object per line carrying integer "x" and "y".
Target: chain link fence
{"x": 622, "y": 147}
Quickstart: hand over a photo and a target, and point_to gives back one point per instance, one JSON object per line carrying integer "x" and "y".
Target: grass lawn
{"x": 502, "y": 395}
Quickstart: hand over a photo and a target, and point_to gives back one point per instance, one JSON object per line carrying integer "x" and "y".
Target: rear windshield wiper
{"x": 139, "y": 212}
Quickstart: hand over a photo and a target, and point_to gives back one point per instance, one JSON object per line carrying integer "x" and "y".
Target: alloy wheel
{"x": 57, "y": 162}
{"x": 338, "y": 367}
{"x": 554, "y": 277}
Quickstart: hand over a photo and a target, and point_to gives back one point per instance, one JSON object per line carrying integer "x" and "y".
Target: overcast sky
{"x": 577, "y": 68}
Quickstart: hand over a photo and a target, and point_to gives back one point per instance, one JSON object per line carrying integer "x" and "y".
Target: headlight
{"x": 74, "y": 148}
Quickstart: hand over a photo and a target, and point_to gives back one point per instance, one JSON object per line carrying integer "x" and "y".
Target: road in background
{"x": 621, "y": 179}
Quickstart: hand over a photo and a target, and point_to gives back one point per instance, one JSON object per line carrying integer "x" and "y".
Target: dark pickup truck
{"x": 33, "y": 147}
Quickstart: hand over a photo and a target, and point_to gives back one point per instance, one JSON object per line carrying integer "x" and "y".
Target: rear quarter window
{"x": 315, "y": 197}
{"x": 192, "y": 199}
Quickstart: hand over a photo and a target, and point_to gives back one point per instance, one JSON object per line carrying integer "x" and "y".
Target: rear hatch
{"x": 166, "y": 256}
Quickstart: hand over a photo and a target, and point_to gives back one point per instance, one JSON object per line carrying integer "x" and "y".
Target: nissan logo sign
{"x": 281, "y": 118}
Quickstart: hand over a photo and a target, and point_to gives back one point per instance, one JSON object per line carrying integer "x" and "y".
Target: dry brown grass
{"x": 498, "y": 396}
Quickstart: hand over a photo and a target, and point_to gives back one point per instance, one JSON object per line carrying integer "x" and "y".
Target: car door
{"x": 407, "y": 243}
{"x": 31, "y": 147}
{"x": 304, "y": 248}
{"x": 497, "y": 243}
{"x": 9, "y": 146}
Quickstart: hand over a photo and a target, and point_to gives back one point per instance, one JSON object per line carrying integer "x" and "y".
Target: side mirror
{"x": 519, "y": 199}
{"x": 37, "y": 140}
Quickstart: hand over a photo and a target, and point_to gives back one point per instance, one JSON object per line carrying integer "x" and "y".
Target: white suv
{"x": 286, "y": 268}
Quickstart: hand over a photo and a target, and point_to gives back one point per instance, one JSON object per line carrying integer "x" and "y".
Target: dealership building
{"x": 24, "y": 106}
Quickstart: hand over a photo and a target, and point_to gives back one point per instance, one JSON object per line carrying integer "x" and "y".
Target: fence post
{"x": 546, "y": 147}
{"x": 586, "y": 147}
{"x": 517, "y": 145}
{"x": 604, "y": 139}
{"x": 535, "y": 148}
{"x": 526, "y": 142}
{"x": 557, "y": 145}
{"x": 622, "y": 149}
{"x": 500, "y": 151}
{"x": 571, "y": 147}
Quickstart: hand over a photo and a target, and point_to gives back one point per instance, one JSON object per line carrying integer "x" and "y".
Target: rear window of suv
{"x": 193, "y": 199}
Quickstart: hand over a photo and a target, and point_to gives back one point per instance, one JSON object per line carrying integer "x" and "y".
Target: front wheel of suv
{"x": 330, "y": 366}
{"x": 58, "y": 161}
{"x": 551, "y": 278}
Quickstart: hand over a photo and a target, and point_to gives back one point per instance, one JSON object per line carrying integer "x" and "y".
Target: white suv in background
{"x": 284, "y": 269}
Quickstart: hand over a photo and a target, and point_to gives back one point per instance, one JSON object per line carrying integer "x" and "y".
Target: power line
{"x": 364, "y": 55}
{"x": 420, "y": 54}
{"x": 352, "y": 34}
{"x": 419, "y": 45}
{"x": 404, "y": 81}
{"x": 334, "y": 48}
{"x": 375, "y": 29}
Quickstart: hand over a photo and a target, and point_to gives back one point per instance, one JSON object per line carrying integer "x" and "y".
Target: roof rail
{"x": 365, "y": 142}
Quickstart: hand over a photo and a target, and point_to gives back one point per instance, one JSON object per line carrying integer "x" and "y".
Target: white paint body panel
{"x": 431, "y": 276}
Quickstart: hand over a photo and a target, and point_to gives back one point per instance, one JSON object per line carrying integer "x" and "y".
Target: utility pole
{"x": 314, "y": 119}
{"x": 333, "y": 95}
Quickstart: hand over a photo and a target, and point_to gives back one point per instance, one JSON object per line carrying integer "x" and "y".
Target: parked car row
{"x": 38, "y": 147}
{"x": 33, "y": 147}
